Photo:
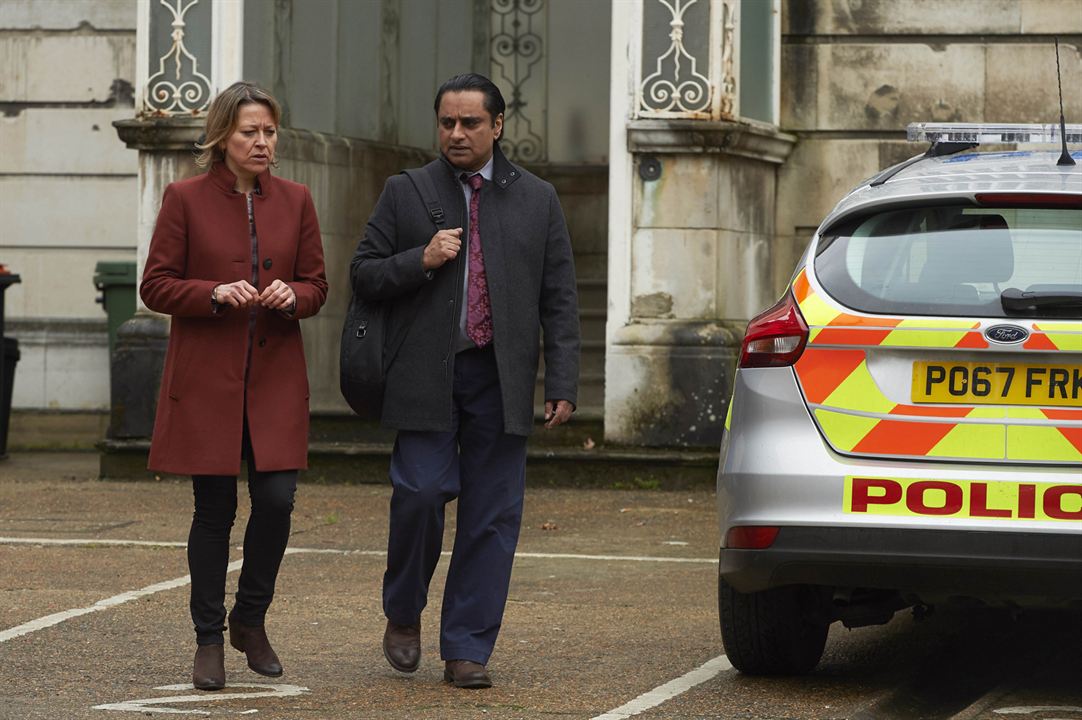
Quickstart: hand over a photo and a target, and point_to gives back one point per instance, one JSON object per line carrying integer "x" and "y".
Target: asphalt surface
{"x": 612, "y": 599}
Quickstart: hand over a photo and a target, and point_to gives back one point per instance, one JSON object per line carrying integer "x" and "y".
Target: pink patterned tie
{"x": 479, "y": 310}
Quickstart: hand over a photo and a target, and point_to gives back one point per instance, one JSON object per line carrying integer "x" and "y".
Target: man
{"x": 467, "y": 305}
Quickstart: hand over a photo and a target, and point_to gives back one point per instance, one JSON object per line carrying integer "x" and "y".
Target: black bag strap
{"x": 423, "y": 182}
{"x": 427, "y": 190}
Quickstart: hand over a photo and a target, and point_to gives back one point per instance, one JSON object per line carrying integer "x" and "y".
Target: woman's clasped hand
{"x": 240, "y": 294}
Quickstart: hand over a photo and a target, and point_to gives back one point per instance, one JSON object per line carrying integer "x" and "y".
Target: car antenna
{"x": 1065, "y": 157}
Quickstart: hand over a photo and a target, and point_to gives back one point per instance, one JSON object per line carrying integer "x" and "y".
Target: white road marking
{"x": 669, "y": 690}
{"x": 374, "y": 553}
{"x": 149, "y": 705}
{"x": 627, "y": 558}
{"x": 57, "y": 618}
{"x": 1029, "y": 710}
{"x": 77, "y": 541}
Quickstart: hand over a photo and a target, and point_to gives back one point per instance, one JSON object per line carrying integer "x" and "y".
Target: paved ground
{"x": 612, "y": 599}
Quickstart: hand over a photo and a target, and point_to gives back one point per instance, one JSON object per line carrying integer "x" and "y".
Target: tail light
{"x": 751, "y": 537}
{"x": 775, "y": 338}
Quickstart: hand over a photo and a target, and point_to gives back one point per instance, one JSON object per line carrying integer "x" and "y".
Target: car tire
{"x": 773, "y": 632}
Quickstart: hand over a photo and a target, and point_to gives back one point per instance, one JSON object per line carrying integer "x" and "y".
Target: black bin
{"x": 11, "y": 356}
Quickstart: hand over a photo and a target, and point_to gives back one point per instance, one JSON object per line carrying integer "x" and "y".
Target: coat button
{"x": 262, "y": 342}
{"x": 267, "y": 264}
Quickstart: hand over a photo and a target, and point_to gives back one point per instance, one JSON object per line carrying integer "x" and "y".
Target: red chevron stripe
{"x": 892, "y": 437}
{"x": 927, "y": 411}
{"x": 821, "y": 371}
{"x": 1073, "y": 435}
{"x": 1039, "y": 341}
{"x": 801, "y": 287}
{"x": 972, "y": 340}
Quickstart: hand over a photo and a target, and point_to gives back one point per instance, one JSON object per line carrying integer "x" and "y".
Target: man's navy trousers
{"x": 485, "y": 469}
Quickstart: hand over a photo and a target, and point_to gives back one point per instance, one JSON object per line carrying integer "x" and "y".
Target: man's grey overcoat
{"x": 531, "y": 281}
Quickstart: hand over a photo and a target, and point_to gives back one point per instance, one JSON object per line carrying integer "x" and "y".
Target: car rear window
{"x": 953, "y": 260}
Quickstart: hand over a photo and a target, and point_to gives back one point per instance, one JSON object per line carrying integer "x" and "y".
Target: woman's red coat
{"x": 201, "y": 240}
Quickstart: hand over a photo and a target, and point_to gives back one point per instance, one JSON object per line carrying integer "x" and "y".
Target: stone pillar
{"x": 186, "y": 51}
{"x": 691, "y": 222}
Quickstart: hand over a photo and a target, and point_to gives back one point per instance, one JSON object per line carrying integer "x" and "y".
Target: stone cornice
{"x": 173, "y": 133}
{"x": 754, "y": 140}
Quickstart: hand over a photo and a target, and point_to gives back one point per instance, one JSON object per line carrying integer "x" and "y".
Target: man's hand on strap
{"x": 442, "y": 248}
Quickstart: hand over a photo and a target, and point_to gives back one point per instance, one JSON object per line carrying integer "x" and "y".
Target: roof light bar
{"x": 990, "y": 133}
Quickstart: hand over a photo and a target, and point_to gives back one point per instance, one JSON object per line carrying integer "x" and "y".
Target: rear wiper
{"x": 1015, "y": 300}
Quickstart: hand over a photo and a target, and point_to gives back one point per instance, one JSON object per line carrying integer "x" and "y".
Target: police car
{"x": 906, "y": 424}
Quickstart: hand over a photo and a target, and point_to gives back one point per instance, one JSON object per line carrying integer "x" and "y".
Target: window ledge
{"x": 746, "y": 138}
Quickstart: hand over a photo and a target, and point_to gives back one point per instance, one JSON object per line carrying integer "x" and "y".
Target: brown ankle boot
{"x": 208, "y": 671}
{"x": 252, "y": 641}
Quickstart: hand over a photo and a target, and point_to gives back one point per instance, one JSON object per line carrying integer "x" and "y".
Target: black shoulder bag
{"x": 369, "y": 345}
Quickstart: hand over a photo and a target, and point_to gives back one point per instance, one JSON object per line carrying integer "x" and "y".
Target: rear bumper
{"x": 928, "y": 563}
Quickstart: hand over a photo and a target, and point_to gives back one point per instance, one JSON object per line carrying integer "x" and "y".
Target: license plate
{"x": 976, "y": 383}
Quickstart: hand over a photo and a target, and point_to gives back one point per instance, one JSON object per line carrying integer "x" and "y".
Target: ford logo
{"x": 1006, "y": 334}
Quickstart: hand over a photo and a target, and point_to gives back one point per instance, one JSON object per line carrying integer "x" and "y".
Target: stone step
{"x": 591, "y": 358}
{"x": 592, "y": 323}
{"x": 342, "y": 427}
{"x": 599, "y": 466}
{"x": 593, "y": 293}
{"x": 591, "y": 395}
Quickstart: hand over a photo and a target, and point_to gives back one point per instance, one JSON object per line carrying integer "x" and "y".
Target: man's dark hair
{"x": 494, "y": 103}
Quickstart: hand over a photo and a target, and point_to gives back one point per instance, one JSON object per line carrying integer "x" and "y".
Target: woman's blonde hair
{"x": 222, "y": 118}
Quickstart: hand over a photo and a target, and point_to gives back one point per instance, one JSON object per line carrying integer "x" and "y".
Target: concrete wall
{"x": 67, "y": 188}
{"x": 700, "y": 263}
{"x": 346, "y": 177}
{"x": 855, "y": 72}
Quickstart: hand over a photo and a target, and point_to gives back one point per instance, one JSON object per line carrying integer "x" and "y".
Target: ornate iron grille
{"x": 676, "y": 80}
{"x": 178, "y": 90}
{"x": 518, "y": 64}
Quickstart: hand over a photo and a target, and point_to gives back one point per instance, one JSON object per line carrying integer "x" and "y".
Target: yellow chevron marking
{"x": 1067, "y": 342}
{"x": 817, "y": 311}
{"x": 922, "y": 338}
{"x": 1025, "y": 413}
{"x": 844, "y": 431}
{"x": 972, "y": 441}
{"x": 1032, "y": 442}
{"x": 995, "y": 413}
{"x": 859, "y": 392}
{"x": 1065, "y": 326}
{"x": 925, "y": 323}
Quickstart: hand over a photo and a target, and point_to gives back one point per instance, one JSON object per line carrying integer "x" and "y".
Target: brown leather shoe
{"x": 402, "y": 646}
{"x": 208, "y": 671}
{"x": 466, "y": 674}
{"x": 252, "y": 641}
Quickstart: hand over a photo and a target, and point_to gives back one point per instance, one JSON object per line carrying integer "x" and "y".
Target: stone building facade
{"x": 67, "y": 194}
{"x": 688, "y": 208}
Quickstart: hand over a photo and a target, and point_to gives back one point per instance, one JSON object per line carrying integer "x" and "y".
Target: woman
{"x": 236, "y": 260}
